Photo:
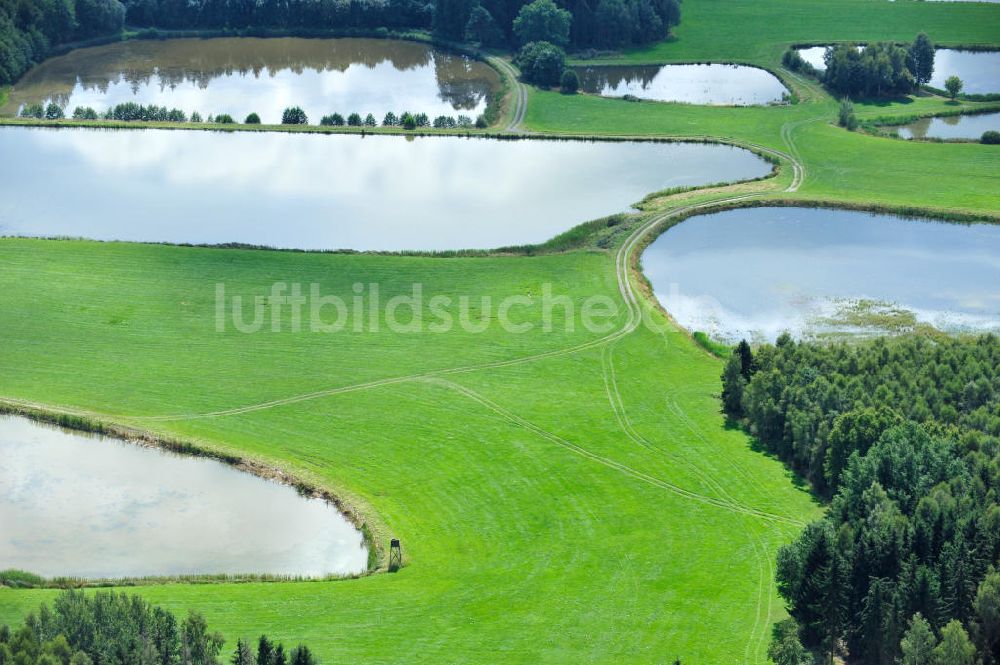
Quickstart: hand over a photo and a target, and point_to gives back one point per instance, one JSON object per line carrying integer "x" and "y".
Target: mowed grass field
{"x": 536, "y": 528}
{"x": 720, "y": 30}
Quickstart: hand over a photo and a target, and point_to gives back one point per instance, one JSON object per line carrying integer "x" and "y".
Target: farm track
{"x": 520, "y": 93}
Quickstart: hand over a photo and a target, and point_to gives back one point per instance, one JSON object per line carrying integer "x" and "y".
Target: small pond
{"x": 76, "y": 504}
{"x": 979, "y": 70}
{"x": 243, "y": 75}
{"x": 951, "y": 127}
{"x": 333, "y": 191}
{"x": 718, "y": 84}
{"x": 755, "y": 272}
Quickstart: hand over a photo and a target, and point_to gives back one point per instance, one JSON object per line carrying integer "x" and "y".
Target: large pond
{"x": 979, "y": 70}
{"x": 964, "y": 126}
{"x": 242, "y": 75}
{"x": 73, "y": 504}
{"x": 755, "y": 272}
{"x": 694, "y": 84}
{"x": 333, "y": 191}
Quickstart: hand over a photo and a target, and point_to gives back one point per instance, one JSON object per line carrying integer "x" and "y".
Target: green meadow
{"x": 564, "y": 495}
{"x": 588, "y": 504}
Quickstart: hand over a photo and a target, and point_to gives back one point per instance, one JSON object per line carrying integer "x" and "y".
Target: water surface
{"x": 756, "y": 272}
{"x": 979, "y": 70}
{"x": 243, "y": 75}
{"x": 951, "y": 127}
{"x": 74, "y": 504}
{"x": 814, "y": 55}
{"x": 694, "y": 84}
{"x": 333, "y": 191}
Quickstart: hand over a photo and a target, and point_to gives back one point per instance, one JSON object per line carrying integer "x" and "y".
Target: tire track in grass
{"x": 625, "y": 423}
{"x": 609, "y": 462}
{"x": 755, "y": 642}
{"x": 686, "y": 420}
{"x": 625, "y": 288}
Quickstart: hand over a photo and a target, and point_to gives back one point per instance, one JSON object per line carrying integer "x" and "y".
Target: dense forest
{"x": 108, "y": 628}
{"x": 904, "y": 436}
{"x": 29, "y": 29}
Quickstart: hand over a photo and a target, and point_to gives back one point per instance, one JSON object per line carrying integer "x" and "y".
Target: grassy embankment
{"x": 528, "y": 538}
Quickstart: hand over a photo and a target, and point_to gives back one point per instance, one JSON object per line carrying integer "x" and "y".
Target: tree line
{"x": 293, "y": 115}
{"x": 109, "y": 628}
{"x": 579, "y": 24}
{"x": 30, "y": 28}
{"x": 903, "y": 435}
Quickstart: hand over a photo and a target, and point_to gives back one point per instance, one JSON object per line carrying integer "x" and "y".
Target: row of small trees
{"x": 270, "y": 653}
{"x": 109, "y": 628}
{"x": 294, "y": 115}
{"x": 405, "y": 120}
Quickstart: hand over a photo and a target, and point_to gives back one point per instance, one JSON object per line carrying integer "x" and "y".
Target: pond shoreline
{"x": 372, "y": 535}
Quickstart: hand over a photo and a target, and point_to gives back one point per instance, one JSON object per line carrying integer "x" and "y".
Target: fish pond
{"x": 965, "y": 126}
{"x": 238, "y": 76}
{"x": 79, "y": 505}
{"x": 756, "y": 272}
{"x": 310, "y": 191}
{"x": 715, "y": 84}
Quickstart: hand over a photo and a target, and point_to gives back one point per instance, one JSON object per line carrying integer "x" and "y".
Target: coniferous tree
{"x": 265, "y": 651}
{"x": 301, "y": 655}
{"x": 243, "y": 655}
{"x": 278, "y": 655}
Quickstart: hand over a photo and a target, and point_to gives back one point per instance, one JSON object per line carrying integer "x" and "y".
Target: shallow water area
{"x": 756, "y": 272}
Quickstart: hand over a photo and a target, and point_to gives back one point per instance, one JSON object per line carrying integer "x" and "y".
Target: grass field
{"x": 520, "y": 546}
{"x": 759, "y": 32}
{"x": 840, "y": 165}
{"x": 586, "y": 503}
